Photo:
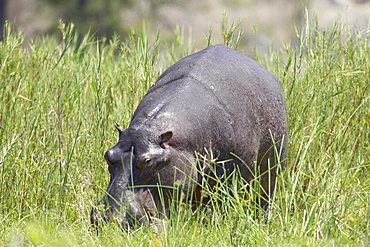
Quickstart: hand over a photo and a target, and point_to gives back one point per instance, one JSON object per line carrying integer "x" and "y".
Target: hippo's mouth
{"x": 140, "y": 208}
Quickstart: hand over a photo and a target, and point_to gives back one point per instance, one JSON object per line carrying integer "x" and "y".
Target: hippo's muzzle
{"x": 136, "y": 208}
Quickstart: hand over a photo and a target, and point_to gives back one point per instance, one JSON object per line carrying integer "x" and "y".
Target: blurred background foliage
{"x": 87, "y": 14}
{"x": 264, "y": 23}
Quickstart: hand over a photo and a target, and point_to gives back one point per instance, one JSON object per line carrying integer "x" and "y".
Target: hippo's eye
{"x": 147, "y": 160}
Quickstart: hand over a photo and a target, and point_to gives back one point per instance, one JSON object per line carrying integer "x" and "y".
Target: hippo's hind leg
{"x": 267, "y": 196}
{"x": 269, "y": 165}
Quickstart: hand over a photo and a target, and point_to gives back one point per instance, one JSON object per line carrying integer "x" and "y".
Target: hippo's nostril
{"x": 108, "y": 155}
{"x": 112, "y": 156}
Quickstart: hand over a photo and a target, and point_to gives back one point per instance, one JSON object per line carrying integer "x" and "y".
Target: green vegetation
{"x": 61, "y": 98}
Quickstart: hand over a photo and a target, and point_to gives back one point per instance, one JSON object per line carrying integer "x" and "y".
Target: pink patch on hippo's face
{"x": 148, "y": 202}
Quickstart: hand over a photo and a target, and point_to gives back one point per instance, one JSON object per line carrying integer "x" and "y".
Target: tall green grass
{"x": 61, "y": 96}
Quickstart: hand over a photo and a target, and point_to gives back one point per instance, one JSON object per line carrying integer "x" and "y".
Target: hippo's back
{"x": 220, "y": 94}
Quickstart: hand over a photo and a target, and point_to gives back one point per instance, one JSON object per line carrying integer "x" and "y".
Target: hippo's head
{"x": 145, "y": 170}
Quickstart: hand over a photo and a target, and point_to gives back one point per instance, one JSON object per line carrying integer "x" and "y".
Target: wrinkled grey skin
{"x": 216, "y": 99}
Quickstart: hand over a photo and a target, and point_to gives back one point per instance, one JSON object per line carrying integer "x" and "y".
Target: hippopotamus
{"x": 216, "y": 101}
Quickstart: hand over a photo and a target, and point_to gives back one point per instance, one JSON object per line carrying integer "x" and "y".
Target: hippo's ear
{"x": 119, "y": 128}
{"x": 165, "y": 137}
